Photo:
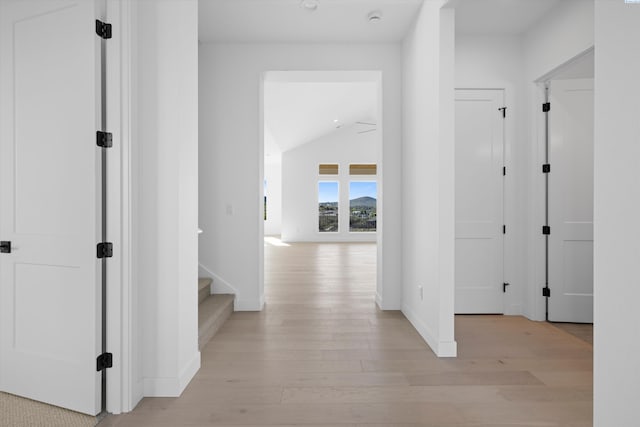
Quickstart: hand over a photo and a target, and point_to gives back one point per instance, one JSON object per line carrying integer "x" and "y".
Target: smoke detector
{"x": 309, "y": 5}
{"x": 375, "y": 17}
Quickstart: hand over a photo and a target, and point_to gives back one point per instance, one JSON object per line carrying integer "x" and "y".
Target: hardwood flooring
{"x": 322, "y": 354}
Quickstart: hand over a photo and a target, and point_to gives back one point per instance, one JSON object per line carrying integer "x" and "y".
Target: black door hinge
{"x": 546, "y": 230}
{"x": 103, "y": 29}
{"x": 504, "y": 111}
{"x": 504, "y": 287}
{"x": 105, "y": 250}
{"x": 104, "y": 361}
{"x": 5, "y": 247}
{"x": 546, "y": 168}
{"x": 504, "y": 171}
{"x": 504, "y": 229}
{"x": 104, "y": 139}
{"x": 546, "y": 107}
{"x": 546, "y": 292}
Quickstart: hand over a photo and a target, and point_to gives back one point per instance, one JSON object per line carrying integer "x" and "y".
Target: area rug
{"x": 20, "y": 412}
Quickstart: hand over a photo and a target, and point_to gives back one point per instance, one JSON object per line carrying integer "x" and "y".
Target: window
{"x": 363, "y": 206}
{"x": 328, "y": 196}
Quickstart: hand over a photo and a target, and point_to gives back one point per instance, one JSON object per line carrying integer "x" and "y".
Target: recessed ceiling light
{"x": 375, "y": 17}
{"x": 309, "y": 5}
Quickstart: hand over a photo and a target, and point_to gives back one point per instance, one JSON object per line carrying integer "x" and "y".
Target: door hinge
{"x": 104, "y": 361}
{"x": 504, "y": 287}
{"x": 546, "y": 292}
{"x": 546, "y": 107}
{"x": 104, "y": 139}
{"x": 504, "y": 111}
{"x": 103, "y": 29}
{"x": 504, "y": 171}
{"x": 546, "y": 230}
{"x": 105, "y": 250}
{"x": 546, "y": 168}
{"x": 504, "y": 229}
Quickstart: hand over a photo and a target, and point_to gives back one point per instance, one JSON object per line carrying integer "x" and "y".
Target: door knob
{"x": 5, "y": 247}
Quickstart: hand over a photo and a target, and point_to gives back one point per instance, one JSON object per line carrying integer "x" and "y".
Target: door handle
{"x": 5, "y": 247}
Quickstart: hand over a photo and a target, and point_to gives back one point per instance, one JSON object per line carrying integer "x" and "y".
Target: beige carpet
{"x": 19, "y": 412}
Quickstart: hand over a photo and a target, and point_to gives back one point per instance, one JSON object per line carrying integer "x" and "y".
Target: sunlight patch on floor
{"x": 274, "y": 241}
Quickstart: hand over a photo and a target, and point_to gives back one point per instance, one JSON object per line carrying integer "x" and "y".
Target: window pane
{"x": 328, "y": 206}
{"x": 362, "y": 206}
{"x": 328, "y": 169}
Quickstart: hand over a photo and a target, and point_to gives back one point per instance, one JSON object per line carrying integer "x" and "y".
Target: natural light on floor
{"x": 274, "y": 241}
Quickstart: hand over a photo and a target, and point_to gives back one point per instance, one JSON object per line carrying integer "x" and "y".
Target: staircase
{"x": 213, "y": 311}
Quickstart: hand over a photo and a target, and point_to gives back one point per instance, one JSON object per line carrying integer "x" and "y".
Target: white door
{"x": 571, "y": 201}
{"x": 479, "y": 201}
{"x": 49, "y": 200}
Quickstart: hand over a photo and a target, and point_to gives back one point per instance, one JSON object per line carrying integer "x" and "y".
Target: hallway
{"x": 321, "y": 353}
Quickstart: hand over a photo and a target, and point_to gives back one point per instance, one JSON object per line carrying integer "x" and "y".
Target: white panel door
{"x": 49, "y": 207}
{"x": 479, "y": 201}
{"x": 571, "y": 201}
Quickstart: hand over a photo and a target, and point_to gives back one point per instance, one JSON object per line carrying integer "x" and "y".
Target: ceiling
{"x": 297, "y": 112}
{"x": 499, "y": 16}
{"x": 273, "y": 21}
{"x": 301, "y": 111}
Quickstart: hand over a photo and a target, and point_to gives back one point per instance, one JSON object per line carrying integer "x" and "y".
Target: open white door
{"x": 49, "y": 202}
{"x": 571, "y": 201}
{"x": 479, "y": 201}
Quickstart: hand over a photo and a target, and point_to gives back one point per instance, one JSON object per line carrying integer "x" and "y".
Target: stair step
{"x": 204, "y": 288}
{"x": 212, "y": 313}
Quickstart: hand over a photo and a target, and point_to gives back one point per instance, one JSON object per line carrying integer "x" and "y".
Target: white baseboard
{"x": 172, "y": 386}
{"x": 514, "y": 310}
{"x": 189, "y": 372}
{"x": 440, "y": 348}
{"x": 247, "y": 305}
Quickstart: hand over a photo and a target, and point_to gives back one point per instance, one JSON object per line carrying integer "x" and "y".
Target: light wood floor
{"x": 321, "y": 353}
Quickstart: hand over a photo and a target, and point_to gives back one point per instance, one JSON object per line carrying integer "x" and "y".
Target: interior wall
{"x": 427, "y": 177}
{"x": 566, "y": 32}
{"x": 164, "y": 177}
{"x": 300, "y": 183}
{"x": 616, "y": 213}
{"x": 273, "y": 178}
{"x": 231, "y": 156}
{"x": 497, "y": 62}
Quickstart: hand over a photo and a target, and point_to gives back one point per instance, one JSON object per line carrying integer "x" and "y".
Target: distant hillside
{"x": 363, "y": 202}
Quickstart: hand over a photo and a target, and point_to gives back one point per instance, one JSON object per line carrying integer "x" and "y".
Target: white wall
{"x": 428, "y": 177}
{"x": 164, "y": 177}
{"x": 231, "y": 156}
{"x": 564, "y": 33}
{"x": 300, "y": 183}
{"x": 273, "y": 177}
{"x": 616, "y": 213}
{"x": 497, "y": 62}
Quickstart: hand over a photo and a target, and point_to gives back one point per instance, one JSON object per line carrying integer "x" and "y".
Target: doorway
{"x": 566, "y": 147}
{"x": 570, "y": 201}
{"x": 322, "y": 142}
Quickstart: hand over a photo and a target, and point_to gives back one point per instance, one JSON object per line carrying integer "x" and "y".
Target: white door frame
{"x": 120, "y": 298}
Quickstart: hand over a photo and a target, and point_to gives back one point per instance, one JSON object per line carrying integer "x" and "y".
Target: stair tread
{"x": 203, "y": 282}
{"x": 212, "y": 307}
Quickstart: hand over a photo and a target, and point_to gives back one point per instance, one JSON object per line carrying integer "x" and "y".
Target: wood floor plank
{"x": 322, "y": 354}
